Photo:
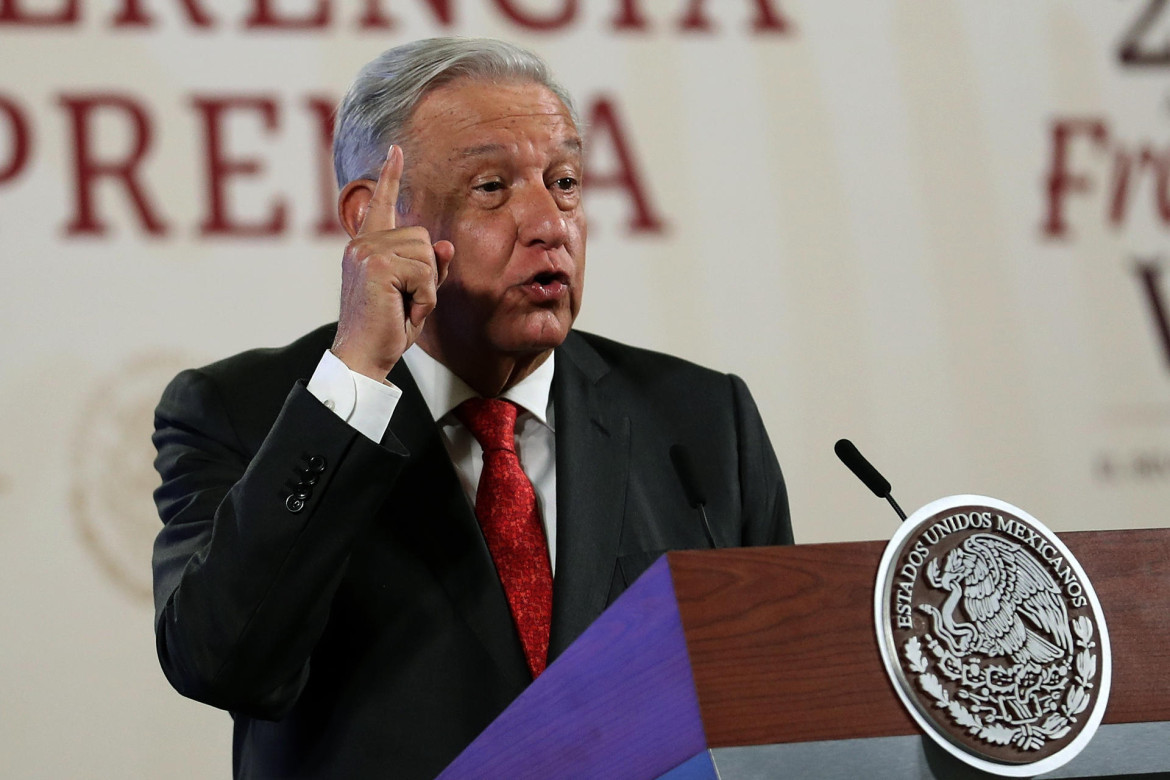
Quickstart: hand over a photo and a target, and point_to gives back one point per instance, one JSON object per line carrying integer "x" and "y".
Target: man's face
{"x": 496, "y": 170}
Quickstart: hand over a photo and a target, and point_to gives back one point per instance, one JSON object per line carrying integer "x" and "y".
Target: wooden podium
{"x": 763, "y": 663}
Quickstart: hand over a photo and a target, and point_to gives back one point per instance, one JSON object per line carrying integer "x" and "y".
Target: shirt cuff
{"x": 366, "y": 404}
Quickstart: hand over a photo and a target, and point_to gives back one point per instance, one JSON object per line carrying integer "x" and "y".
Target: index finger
{"x": 381, "y": 213}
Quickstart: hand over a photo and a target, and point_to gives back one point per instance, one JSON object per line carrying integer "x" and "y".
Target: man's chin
{"x": 543, "y": 334}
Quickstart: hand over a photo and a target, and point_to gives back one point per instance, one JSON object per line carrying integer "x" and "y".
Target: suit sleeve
{"x": 253, "y": 546}
{"x": 765, "y": 499}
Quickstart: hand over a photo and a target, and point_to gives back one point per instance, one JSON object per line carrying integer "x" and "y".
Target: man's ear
{"x": 353, "y": 202}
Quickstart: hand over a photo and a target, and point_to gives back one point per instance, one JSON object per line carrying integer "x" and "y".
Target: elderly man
{"x": 376, "y": 537}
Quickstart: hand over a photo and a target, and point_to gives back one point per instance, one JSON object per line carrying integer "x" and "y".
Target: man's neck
{"x": 489, "y": 376}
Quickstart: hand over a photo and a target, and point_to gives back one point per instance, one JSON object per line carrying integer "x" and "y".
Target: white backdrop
{"x": 938, "y": 229}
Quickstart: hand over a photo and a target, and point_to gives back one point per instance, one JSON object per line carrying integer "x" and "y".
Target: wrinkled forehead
{"x": 469, "y": 114}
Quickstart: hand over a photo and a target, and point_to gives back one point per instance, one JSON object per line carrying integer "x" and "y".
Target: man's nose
{"x": 539, "y": 218}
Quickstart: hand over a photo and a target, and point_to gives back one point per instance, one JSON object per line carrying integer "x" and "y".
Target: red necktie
{"x": 505, "y": 505}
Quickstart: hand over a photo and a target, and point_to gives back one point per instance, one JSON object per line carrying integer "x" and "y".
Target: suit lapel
{"x": 593, "y": 435}
{"x": 440, "y": 524}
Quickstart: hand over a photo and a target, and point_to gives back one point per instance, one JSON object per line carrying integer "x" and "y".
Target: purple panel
{"x": 701, "y": 767}
{"x": 619, "y": 702}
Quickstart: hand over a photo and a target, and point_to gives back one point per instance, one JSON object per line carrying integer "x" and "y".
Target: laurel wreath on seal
{"x": 1027, "y": 735}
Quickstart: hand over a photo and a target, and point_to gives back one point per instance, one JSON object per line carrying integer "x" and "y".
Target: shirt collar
{"x": 443, "y": 391}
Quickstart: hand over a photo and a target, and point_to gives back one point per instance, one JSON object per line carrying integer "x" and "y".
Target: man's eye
{"x": 491, "y": 186}
{"x": 565, "y": 183}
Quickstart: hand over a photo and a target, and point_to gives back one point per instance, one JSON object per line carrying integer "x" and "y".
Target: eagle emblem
{"x": 992, "y": 636}
{"x": 1014, "y": 606}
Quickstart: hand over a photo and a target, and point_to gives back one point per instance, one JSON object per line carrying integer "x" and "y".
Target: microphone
{"x": 692, "y": 486}
{"x": 866, "y": 473}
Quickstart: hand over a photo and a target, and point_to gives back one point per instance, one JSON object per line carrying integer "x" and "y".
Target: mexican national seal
{"x": 992, "y": 635}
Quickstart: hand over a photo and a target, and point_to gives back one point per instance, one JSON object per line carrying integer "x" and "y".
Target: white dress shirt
{"x": 369, "y": 405}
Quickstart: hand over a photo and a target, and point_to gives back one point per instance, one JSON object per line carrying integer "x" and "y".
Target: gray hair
{"x": 376, "y": 109}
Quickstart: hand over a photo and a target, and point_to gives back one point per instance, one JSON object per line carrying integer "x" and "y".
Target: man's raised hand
{"x": 389, "y": 279}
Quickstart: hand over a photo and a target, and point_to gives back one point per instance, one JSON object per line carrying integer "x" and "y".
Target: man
{"x": 353, "y": 565}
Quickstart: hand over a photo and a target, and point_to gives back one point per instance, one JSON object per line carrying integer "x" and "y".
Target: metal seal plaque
{"x": 992, "y": 636}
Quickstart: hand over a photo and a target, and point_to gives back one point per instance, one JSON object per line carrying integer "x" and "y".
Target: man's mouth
{"x": 547, "y": 285}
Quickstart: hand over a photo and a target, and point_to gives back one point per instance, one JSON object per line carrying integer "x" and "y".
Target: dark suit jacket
{"x": 366, "y": 634}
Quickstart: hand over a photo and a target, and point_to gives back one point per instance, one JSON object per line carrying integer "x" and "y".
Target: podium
{"x": 763, "y": 663}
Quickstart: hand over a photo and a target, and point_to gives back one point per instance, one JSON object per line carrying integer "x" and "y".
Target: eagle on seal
{"x": 1014, "y": 605}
